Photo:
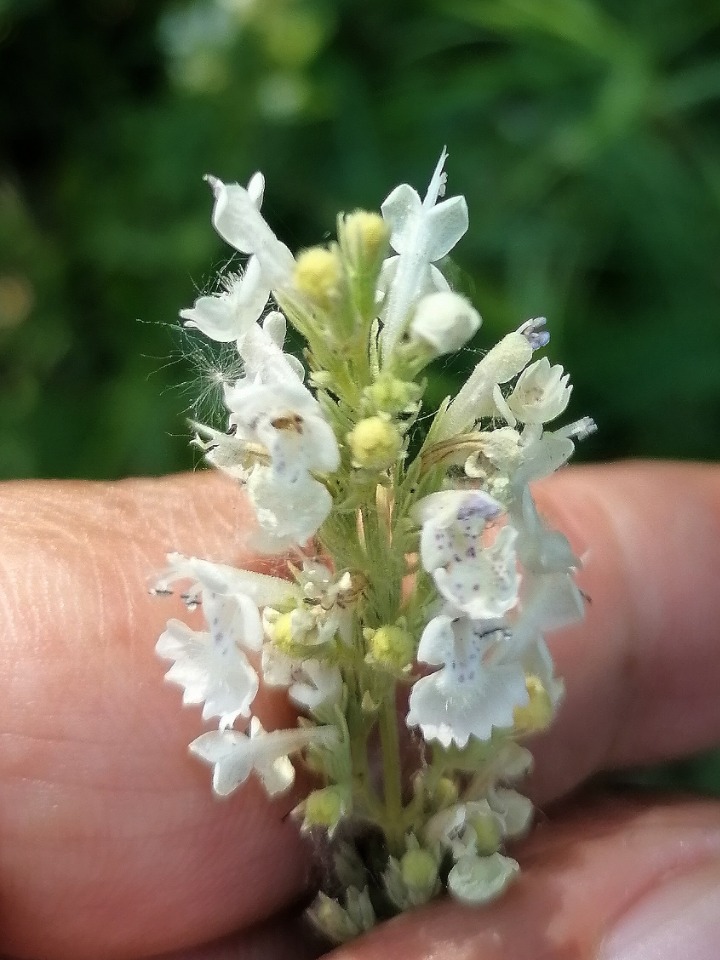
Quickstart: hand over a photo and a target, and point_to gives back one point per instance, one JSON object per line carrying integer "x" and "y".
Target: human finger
{"x": 642, "y": 670}
{"x": 613, "y": 880}
{"x": 111, "y": 843}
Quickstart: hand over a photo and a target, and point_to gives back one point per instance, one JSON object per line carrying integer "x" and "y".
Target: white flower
{"x": 228, "y": 452}
{"x": 286, "y": 421}
{"x": 514, "y": 811}
{"x": 479, "y": 880}
{"x": 452, "y": 521}
{"x": 535, "y": 333}
{"x": 540, "y": 549}
{"x": 261, "y": 349}
{"x": 453, "y": 828}
{"x": 445, "y": 321}
{"x": 499, "y": 454}
{"x": 329, "y": 600}
{"x": 549, "y": 598}
{"x": 275, "y": 326}
{"x": 234, "y": 756}
{"x": 475, "y": 398}
{"x": 506, "y": 812}
{"x": 480, "y": 683}
{"x": 228, "y": 315}
{"x": 325, "y": 611}
{"x": 311, "y": 683}
{"x": 541, "y": 457}
{"x": 432, "y": 282}
{"x": 482, "y": 581}
{"x": 287, "y": 514}
{"x": 218, "y": 578}
{"x": 421, "y": 232}
{"x": 541, "y": 393}
{"x": 549, "y": 602}
{"x": 210, "y": 666}
{"x": 238, "y": 220}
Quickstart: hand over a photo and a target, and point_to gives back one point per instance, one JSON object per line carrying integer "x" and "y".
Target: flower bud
{"x": 419, "y": 869}
{"x": 375, "y": 443}
{"x": 332, "y": 920}
{"x": 318, "y": 274}
{"x": 366, "y": 234}
{"x": 445, "y": 793}
{"x": 324, "y": 808}
{"x": 391, "y": 647}
{"x": 445, "y": 321}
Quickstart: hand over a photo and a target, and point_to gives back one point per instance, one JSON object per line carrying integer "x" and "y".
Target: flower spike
{"x": 407, "y": 569}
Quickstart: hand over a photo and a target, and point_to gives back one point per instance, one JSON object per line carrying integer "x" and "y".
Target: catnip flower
{"x": 309, "y": 683}
{"x": 415, "y": 578}
{"x": 478, "y": 881}
{"x": 210, "y": 666}
{"x": 228, "y": 315}
{"x": 479, "y": 685}
{"x": 237, "y": 218}
{"x": 475, "y": 399}
{"x": 477, "y": 579}
{"x": 284, "y": 421}
{"x": 444, "y": 321}
{"x": 234, "y": 756}
{"x": 421, "y": 233}
{"x": 541, "y": 394}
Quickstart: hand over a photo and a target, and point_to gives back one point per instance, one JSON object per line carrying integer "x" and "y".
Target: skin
{"x": 111, "y": 844}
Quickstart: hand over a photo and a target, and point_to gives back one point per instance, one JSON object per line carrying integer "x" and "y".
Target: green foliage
{"x": 581, "y": 132}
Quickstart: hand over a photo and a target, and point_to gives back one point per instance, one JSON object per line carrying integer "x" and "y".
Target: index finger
{"x": 642, "y": 671}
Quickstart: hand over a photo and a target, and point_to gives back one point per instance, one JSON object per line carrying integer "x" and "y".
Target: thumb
{"x": 618, "y": 879}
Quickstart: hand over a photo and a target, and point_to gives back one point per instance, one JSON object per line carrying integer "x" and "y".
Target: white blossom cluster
{"x": 418, "y": 569}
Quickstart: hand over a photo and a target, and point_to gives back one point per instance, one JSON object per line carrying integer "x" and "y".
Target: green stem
{"x": 392, "y": 782}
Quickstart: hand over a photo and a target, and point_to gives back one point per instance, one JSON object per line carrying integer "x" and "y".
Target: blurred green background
{"x": 584, "y": 134}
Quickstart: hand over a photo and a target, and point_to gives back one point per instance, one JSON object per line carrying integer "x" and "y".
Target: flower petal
{"x": 239, "y": 222}
{"x": 480, "y": 880}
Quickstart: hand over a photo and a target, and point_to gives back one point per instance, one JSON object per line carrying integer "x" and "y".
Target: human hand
{"x": 113, "y": 848}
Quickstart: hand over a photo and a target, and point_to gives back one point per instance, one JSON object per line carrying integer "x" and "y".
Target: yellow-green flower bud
{"x": 324, "y": 808}
{"x": 391, "y": 646}
{"x": 366, "y": 234}
{"x": 488, "y": 833}
{"x": 375, "y": 443}
{"x": 445, "y": 793}
{"x": 419, "y": 870}
{"x": 538, "y": 713}
{"x": 318, "y": 274}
